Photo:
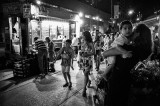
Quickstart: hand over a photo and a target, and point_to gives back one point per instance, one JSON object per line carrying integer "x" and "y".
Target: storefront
{"x": 51, "y": 27}
{"x": 25, "y": 21}
{"x": 56, "y": 25}
{"x": 11, "y": 27}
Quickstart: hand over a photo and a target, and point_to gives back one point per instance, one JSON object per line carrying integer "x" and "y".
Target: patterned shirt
{"x": 67, "y": 55}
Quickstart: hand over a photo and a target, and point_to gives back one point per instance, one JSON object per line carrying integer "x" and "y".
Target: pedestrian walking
{"x": 51, "y": 52}
{"x": 67, "y": 55}
{"x": 87, "y": 53}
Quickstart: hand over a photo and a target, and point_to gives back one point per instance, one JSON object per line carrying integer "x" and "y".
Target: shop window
{"x": 56, "y": 30}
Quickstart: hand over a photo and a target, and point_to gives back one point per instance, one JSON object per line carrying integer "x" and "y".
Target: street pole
{"x": 111, "y": 7}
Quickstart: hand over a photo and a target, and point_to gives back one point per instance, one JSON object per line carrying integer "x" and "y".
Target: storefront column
{"x": 159, "y": 27}
{"x": 10, "y": 34}
{"x": 77, "y": 29}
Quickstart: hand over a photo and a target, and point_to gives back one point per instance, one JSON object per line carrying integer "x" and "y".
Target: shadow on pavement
{"x": 13, "y": 81}
{"x": 48, "y": 83}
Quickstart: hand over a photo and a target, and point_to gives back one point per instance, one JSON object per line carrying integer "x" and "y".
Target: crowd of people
{"x": 120, "y": 51}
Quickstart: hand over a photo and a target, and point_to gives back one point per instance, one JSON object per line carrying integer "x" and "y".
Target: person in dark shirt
{"x": 120, "y": 79}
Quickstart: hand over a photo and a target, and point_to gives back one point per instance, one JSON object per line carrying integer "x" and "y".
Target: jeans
{"x": 42, "y": 58}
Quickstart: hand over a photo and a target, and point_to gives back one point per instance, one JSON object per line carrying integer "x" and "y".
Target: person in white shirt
{"x": 75, "y": 45}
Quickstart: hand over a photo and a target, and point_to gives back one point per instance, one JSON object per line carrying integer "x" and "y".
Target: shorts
{"x": 65, "y": 69}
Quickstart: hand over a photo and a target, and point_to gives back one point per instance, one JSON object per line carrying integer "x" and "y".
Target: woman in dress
{"x": 87, "y": 51}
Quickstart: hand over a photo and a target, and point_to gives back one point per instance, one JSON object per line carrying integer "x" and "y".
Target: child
{"x": 123, "y": 38}
{"x": 67, "y": 55}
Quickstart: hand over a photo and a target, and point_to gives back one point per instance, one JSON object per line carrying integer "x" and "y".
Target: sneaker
{"x": 70, "y": 85}
{"x": 65, "y": 85}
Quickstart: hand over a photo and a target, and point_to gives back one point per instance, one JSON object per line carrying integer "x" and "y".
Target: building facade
{"x": 23, "y": 20}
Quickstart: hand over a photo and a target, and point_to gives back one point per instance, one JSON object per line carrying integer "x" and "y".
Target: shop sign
{"x": 12, "y": 8}
{"x": 26, "y": 11}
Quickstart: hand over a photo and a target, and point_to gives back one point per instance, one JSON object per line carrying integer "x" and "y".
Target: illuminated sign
{"x": 26, "y": 11}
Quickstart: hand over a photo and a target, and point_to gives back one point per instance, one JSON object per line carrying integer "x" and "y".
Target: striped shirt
{"x": 40, "y": 45}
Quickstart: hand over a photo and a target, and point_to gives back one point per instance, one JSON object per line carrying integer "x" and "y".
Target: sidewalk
{"x": 49, "y": 92}
{"x": 6, "y": 74}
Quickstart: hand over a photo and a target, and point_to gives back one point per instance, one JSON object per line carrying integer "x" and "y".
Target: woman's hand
{"x": 127, "y": 54}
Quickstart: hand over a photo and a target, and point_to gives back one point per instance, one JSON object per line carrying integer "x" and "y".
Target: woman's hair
{"x": 125, "y": 22}
{"x": 87, "y": 36}
{"x": 144, "y": 40}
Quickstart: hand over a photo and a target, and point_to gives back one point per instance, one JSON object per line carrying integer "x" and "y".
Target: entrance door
{"x": 15, "y": 35}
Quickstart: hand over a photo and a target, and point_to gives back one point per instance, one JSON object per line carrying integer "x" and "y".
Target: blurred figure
{"x": 97, "y": 46}
{"x": 51, "y": 52}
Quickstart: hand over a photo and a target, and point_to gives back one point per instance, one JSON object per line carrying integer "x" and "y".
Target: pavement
{"x": 49, "y": 91}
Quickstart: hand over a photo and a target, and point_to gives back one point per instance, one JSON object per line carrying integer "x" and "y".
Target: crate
{"x": 21, "y": 68}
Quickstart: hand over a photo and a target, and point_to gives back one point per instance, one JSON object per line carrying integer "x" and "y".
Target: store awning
{"x": 54, "y": 18}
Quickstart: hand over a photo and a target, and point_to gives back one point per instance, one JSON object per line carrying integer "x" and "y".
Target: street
{"x": 49, "y": 91}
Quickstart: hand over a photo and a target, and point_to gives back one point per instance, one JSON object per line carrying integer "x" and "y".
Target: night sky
{"x": 145, "y": 7}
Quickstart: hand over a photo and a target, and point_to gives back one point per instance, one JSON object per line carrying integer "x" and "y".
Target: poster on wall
{"x": 53, "y": 32}
{"x": 60, "y": 32}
